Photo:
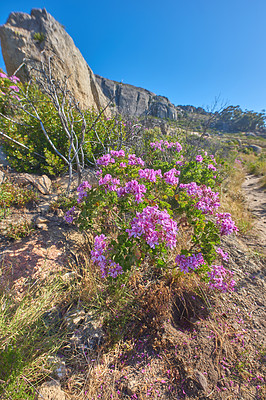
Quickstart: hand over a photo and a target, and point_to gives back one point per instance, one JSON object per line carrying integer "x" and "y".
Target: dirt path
{"x": 256, "y": 202}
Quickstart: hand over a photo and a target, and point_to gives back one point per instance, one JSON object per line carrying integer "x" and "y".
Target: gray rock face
{"x": 38, "y": 35}
{"x": 135, "y": 101}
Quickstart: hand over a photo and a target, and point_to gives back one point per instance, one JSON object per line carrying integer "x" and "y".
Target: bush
{"x": 141, "y": 215}
{"x": 30, "y": 115}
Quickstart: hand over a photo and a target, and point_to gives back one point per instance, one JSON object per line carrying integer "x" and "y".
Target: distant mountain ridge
{"x": 136, "y": 101}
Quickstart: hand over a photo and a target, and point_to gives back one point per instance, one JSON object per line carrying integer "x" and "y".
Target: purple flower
{"x": 82, "y": 190}
{"x": 221, "y": 278}
{"x": 199, "y": 158}
{"x": 134, "y": 188}
{"x": 226, "y": 224}
{"x": 98, "y": 256}
{"x": 14, "y": 79}
{"x": 210, "y": 166}
{"x": 105, "y": 160}
{"x": 69, "y": 215}
{"x": 155, "y": 226}
{"x": 188, "y": 263}
{"x": 110, "y": 184}
{"x": 15, "y": 88}
{"x": 3, "y": 75}
{"x": 150, "y": 174}
{"x": 134, "y": 160}
{"x": 170, "y": 176}
{"x": 163, "y": 145}
{"x": 221, "y": 253}
{"x": 208, "y": 201}
{"x": 119, "y": 153}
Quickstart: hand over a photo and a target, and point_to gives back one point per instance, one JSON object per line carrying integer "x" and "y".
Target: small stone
{"x": 51, "y": 391}
{"x": 58, "y": 366}
{"x": 131, "y": 387}
{"x": 201, "y": 380}
{"x": 69, "y": 276}
{"x": 41, "y": 223}
{"x": 2, "y": 177}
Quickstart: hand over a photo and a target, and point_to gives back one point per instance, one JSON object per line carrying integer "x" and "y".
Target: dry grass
{"x": 233, "y": 200}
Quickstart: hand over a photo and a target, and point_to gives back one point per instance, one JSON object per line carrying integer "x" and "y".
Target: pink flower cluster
{"x": 105, "y": 160}
{"x": 221, "y": 278}
{"x": 69, "y": 215}
{"x": 150, "y": 174}
{"x": 82, "y": 192}
{"x": 212, "y": 167}
{"x": 162, "y": 145}
{"x": 134, "y": 188}
{"x": 108, "y": 268}
{"x": 118, "y": 154}
{"x": 155, "y": 226}
{"x": 170, "y": 176}
{"x": 110, "y": 184}
{"x": 13, "y": 79}
{"x": 134, "y": 160}
{"x": 199, "y": 158}
{"x": 222, "y": 254}
{"x": 186, "y": 264}
{"x": 226, "y": 224}
{"x": 208, "y": 201}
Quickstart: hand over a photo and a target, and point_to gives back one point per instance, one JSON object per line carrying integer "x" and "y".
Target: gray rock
{"x": 86, "y": 329}
{"x": 51, "y": 391}
{"x": 132, "y": 387}
{"x": 136, "y": 101}
{"x": 58, "y": 366}
{"x": 42, "y": 183}
{"x": 38, "y": 35}
{"x": 256, "y": 149}
{"x": 41, "y": 223}
{"x": 2, "y": 177}
{"x": 201, "y": 380}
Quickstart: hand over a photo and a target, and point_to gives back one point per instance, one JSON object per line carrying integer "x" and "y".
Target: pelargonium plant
{"x": 136, "y": 212}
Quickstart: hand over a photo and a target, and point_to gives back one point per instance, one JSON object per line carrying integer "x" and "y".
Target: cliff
{"x": 38, "y": 36}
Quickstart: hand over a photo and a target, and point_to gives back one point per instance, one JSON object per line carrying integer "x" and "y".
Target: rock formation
{"x": 135, "y": 101}
{"x": 38, "y": 35}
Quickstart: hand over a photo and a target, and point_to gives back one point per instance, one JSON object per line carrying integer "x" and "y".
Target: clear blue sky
{"x": 190, "y": 51}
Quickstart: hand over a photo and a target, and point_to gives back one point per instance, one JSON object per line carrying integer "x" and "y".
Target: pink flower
{"x": 82, "y": 192}
{"x": 210, "y": 166}
{"x": 199, "y": 158}
{"x": 221, "y": 253}
{"x": 3, "y": 75}
{"x": 119, "y": 153}
{"x": 15, "y": 88}
{"x": 155, "y": 226}
{"x": 105, "y": 160}
{"x": 170, "y": 176}
{"x": 150, "y": 174}
{"x": 188, "y": 263}
{"x": 134, "y": 188}
{"x": 14, "y": 79}
{"x": 221, "y": 278}
{"x": 226, "y": 224}
{"x": 69, "y": 215}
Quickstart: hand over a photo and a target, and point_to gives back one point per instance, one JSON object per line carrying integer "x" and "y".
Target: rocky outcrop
{"x": 135, "y": 101}
{"x": 38, "y": 35}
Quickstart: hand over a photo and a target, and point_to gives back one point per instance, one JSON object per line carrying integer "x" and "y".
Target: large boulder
{"x": 39, "y": 36}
